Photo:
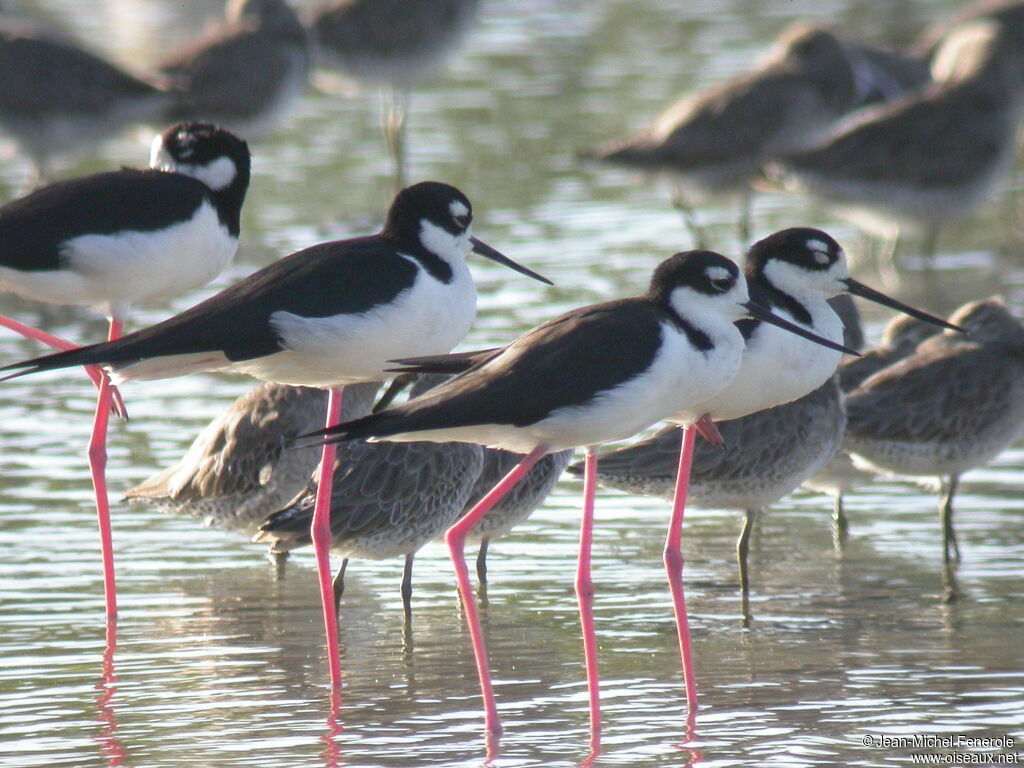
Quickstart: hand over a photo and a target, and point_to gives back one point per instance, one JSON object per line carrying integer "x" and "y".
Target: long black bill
{"x": 479, "y": 246}
{"x": 859, "y": 289}
{"x": 759, "y": 312}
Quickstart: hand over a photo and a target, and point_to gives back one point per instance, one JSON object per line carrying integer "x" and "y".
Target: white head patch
{"x": 217, "y": 175}
{"x": 442, "y": 242}
{"x": 458, "y": 209}
{"x": 820, "y": 251}
{"x": 718, "y": 273}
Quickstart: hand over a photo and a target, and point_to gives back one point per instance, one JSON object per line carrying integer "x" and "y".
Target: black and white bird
{"x": 929, "y": 158}
{"x": 389, "y": 500}
{"x": 326, "y": 316}
{"x": 951, "y": 406}
{"x": 245, "y": 73}
{"x": 114, "y": 239}
{"x": 394, "y": 44}
{"x": 57, "y": 98}
{"x": 592, "y": 375}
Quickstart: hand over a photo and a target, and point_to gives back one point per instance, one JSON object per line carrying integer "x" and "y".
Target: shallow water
{"x": 219, "y": 663}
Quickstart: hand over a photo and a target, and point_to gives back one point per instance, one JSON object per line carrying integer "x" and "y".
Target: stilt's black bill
{"x": 765, "y": 315}
{"x": 859, "y": 289}
{"x": 479, "y": 246}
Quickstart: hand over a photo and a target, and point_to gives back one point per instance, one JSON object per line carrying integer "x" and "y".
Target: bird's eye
{"x": 722, "y": 284}
{"x": 462, "y": 220}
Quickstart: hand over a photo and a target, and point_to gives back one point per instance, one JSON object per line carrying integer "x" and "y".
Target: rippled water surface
{"x": 219, "y": 663}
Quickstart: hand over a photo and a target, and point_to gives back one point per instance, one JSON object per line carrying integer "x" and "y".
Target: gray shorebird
{"x": 953, "y": 405}
{"x": 713, "y": 143}
{"x": 931, "y": 157}
{"x": 237, "y": 469}
{"x": 388, "y": 500}
{"x": 56, "y": 97}
{"x": 393, "y": 44}
{"x": 766, "y": 456}
{"x": 245, "y": 73}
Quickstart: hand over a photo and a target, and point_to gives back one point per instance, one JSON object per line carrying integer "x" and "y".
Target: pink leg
{"x": 98, "y": 467}
{"x": 62, "y": 345}
{"x": 674, "y": 565}
{"x": 110, "y": 744}
{"x": 321, "y": 533}
{"x": 456, "y": 540}
{"x": 585, "y": 595}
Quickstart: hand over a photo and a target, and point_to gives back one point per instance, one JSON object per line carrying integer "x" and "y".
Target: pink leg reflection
{"x": 110, "y": 745}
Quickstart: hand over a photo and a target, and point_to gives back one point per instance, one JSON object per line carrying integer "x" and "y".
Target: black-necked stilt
{"x": 931, "y": 157}
{"x": 520, "y": 502}
{"x": 245, "y": 73}
{"x": 951, "y": 406}
{"x": 713, "y": 143}
{"x": 237, "y": 470}
{"x": 794, "y": 271}
{"x": 391, "y": 43}
{"x": 117, "y": 238}
{"x": 333, "y": 314}
{"x": 592, "y": 375}
{"x": 389, "y": 499}
{"x": 56, "y": 97}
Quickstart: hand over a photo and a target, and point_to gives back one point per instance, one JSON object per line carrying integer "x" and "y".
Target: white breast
{"x": 677, "y": 375}
{"x": 777, "y": 367}
{"x": 111, "y": 272}
{"x": 429, "y": 318}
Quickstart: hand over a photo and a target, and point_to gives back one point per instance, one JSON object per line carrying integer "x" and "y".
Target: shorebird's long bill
{"x": 758, "y": 312}
{"x": 479, "y": 246}
{"x": 859, "y": 289}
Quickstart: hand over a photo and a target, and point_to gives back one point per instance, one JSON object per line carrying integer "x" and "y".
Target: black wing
{"x": 350, "y": 276}
{"x": 563, "y": 362}
{"x": 33, "y": 228}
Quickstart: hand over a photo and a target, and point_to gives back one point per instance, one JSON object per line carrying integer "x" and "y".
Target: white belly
{"x": 428, "y": 319}
{"x": 111, "y": 272}
{"x": 778, "y": 368}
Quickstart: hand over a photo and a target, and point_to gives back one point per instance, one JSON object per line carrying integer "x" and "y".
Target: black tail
{"x": 455, "y": 362}
{"x": 92, "y": 354}
{"x": 288, "y": 529}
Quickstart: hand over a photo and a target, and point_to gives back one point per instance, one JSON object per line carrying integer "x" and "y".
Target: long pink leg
{"x": 63, "y": 345}
{"x": 456, "y": 540}
{"x": 674, "y": 565}
{"x": 98, "y": 467}
{"x": 585, "y": 594}
{"x": 321, "y": 534}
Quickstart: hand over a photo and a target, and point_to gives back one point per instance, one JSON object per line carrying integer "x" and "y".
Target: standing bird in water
{"x": 592, "y": 375}
{"x": 394, "y": 44}
{"x": 326, "y": 316}
{"x": 953, "y": 405}
{"x": 114, "y": 239}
